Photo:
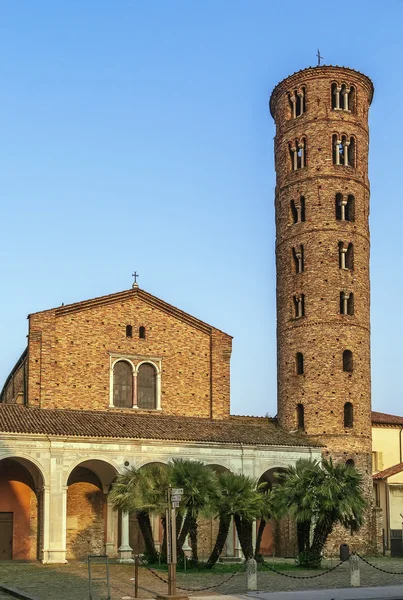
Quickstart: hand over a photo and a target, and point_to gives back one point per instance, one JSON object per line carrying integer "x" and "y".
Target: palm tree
{"x": 199, "y": 484}
{"x": 142, "y": 491}
{"x": 236, "y": 497}
{"x": 319, "y": 495}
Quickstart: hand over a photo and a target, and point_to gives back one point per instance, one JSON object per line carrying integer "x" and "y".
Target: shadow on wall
{"x": 86, "y": 514}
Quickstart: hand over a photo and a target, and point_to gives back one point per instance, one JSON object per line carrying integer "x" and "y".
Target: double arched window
{"x": 135, "y": 387}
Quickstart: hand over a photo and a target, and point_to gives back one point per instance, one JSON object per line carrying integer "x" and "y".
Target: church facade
{"x": 125, "y": 379}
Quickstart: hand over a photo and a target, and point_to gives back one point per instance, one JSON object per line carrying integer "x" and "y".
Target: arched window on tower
{"x": 299, "y": 305}
{"x": 142, "y": 332}
{"x": 147, "y": 386}
{"x": 299, "y": 359}
{"x": 350, "y": 208}
{"x": 345, "y": 207}
{"x": 346, "y": 256}
{"x": 298, "y": 258}
{"x": 129, "y": 331}
{"x": 297, "y": 149}
{"x": 297, "y": 210}
{"x": 348, "y": 361}
{"x": 300, "y": 417}
{"x": 343, "y": 97}
{"x": 296, "y": 99}
{"x": 346, "y": 303}
{"x": 122, "y": 385}
{"x": 348, "y": 415}
{"x": 343, "y": 150}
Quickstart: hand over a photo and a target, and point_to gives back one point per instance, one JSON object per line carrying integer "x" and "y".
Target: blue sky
{"x": 136, "y": 135}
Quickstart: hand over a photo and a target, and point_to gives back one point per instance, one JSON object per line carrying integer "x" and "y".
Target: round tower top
{"x": 320, "y": 72}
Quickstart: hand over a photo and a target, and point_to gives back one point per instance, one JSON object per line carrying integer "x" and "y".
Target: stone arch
{"x": 218, "y": 468}
{"x": 27, "y": 461}
{"x": 277, "y": 536}
{"x": 88, "y": 482}
{"x": 22, "y": 482}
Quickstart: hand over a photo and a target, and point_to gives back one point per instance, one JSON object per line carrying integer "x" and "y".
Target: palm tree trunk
{"x": 223, "y": 529}
{"x": 164, "y": 539}
{"x": 244, "y": 530}
{"x": 303, "y": 530}
{"x": 193, "y": 539}
{"x": 144, "y": 522}
{"x": 321, "y": 533}
{"x": 259, "y": 537}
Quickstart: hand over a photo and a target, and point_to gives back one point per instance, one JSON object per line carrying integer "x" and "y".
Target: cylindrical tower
{"x": 322, "y": 253}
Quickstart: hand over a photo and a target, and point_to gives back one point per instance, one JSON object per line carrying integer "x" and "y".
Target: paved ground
{"x": 70, "y": 582}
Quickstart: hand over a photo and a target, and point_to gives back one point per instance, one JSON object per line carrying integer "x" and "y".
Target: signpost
{"x": 174, "y": 496}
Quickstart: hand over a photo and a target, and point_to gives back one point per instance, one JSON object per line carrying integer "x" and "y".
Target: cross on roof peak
{"x": 135, "y": 275}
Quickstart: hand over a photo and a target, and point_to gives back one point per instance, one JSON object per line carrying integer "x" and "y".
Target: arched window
{"x": 299, "y": 359}
{"x": 346, "y": 303}
{"x": 142, "y": 332}
{"x": 350, "y": 462}
{"x": 294, "y": 212}
{"x": 299, "y": 306}
{"x": 298, "y": 258}
{"x": 147, "y": 386}
{"x": 296, "y": 99}
{"x": 350, "y": 208}
{"x": 348, "y": 414}
{"x": 129, "y": 331}
{"x": 300, "y": 416}
{"x": 348, "y": 361}
{"x": 122, "y": 385}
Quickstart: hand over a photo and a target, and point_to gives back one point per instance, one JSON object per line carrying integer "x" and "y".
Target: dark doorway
{"x": 6, "y": 535}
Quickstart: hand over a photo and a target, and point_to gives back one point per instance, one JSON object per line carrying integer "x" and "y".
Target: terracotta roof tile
{"x": 121, "y": 424}
{"x": 389, "y": 472}
{"x": 385, "y": 419}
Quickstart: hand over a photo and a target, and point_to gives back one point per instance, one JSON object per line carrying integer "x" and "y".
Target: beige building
{"x": 387, "y": 469}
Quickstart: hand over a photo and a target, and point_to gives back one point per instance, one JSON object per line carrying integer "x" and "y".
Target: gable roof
{"x": 127, "y": 295}
{"x": 385, "y": 419}
{"x": 120, "y": 424}
{"x": 394, "y": 470}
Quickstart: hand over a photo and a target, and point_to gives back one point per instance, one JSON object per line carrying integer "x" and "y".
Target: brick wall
{"x": 69, "y": 355}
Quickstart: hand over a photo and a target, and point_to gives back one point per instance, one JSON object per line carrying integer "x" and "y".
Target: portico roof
{"x": 130, "y": 425}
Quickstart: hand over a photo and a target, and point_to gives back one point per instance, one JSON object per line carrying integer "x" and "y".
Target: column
{"x": 338, "y": 142}
{"x": 158, "y": 390}
{"x": 301, "y": 146}
{"x": 343, "y": 252}
{"x": 338, "y": 90}
{"x": 110, "y": 527}
{"x": 135, "y": 390}
{"x": 343, "y": 205}
{"x": 300, "y": 94}
{"x": 345, "y": 151}
{"x": 56, "y": 518}
{"x": 293, "y": 101}
{"x": 345, "y": 98}
{"x": 44, "y": 515}
{"x": 238, "y": 549}
{"x": 125, "y": 552}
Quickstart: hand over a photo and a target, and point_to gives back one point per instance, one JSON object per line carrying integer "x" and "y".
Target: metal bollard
{"x": 251, "y": 575}
{"x": 354, "y": 570}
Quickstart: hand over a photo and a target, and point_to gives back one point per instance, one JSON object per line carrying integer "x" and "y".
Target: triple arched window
{"x": 343, "y": 150}
{"x": 297, "y": 102}
{"x": 343, "y": 97}
{"x": 135, "y": 386}
{"x": 345, "y": 207}
{"x": 298, "y": 151}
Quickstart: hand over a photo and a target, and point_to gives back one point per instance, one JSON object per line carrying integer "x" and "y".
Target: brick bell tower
{"x": 322, "y": 254}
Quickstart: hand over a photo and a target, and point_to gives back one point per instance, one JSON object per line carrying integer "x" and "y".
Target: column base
{"x": 50, "y": 557}
{"x": 125, "y": 555}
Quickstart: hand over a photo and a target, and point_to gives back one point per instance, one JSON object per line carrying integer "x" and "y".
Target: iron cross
{"x": 319, "y": 57}
{"x": 135, "y": 275}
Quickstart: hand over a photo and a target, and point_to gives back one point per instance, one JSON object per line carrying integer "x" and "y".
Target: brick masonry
{"x": 69, "y": 355}
{"x": 323, "y": 333}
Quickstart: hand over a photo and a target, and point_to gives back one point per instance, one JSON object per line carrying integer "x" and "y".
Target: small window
{"x": 302, "y": 204}
{"x": 299, "y": 357}
{"x": 297, "y": 149}
{"x": 142, "y": 332}
{"x": 147, "y": 386}
{"x": 346, "y": 303}
{"x": 298, "y": 258}
{"x": 299, "y": 306}
{"x": 350, "y": 462}
{"x": 339, "y": 203}
{"x": 350, "y": 206}
{"x": 348, "y": 361}
{"x": 129, "y": 331}
{"x": 122, "y": 385}
{"x": 294, "y": 212}
{"x": 298, "y": 210}
{"x": 300, "y": 417}
{"x": 348, "y": 414}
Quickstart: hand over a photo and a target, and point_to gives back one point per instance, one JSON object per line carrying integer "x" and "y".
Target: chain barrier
{"x": 209, "y": 587}
{"x": 303, "y": 576}
{"x": 377, "y": 568}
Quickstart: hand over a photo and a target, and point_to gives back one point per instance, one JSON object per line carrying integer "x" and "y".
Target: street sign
{"x": 176, "y": 497}
{"x": 177, "y": 491}
{"x": 175, "y": 504}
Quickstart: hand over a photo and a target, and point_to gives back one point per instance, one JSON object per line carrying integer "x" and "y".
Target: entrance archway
{"x": 87, "y": 511}
{"x": 21, "y": 530}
